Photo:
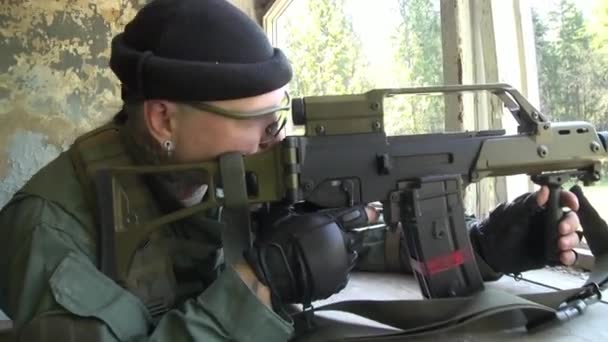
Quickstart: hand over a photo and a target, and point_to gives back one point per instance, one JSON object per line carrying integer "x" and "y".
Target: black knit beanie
{"x": 196, "y": 50}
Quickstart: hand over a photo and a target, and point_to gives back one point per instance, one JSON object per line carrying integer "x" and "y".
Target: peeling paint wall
{"x": 55, "y": 82}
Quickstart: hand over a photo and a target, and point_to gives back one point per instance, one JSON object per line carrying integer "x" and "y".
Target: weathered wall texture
{"x": 54, "y": 78}
{"x": 55, "y": 82}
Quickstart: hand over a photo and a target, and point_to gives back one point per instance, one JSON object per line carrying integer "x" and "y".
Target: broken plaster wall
{"x": 55, "y": 82}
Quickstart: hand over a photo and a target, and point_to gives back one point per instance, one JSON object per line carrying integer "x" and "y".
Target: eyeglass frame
{"x": 280, "y": 123}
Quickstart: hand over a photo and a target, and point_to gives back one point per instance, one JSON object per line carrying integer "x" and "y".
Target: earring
{"x": 169, "y": 148}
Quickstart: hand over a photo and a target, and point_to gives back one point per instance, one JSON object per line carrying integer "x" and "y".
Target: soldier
{"x": 199, "y": 79}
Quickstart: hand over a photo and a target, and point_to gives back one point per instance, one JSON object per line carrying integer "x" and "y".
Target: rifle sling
{"x": 486, "y": 311}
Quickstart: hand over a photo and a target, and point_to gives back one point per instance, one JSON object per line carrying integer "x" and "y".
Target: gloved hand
{"x": 302, "y": 257}
{"x": 594, "y": 227}
{"x": 395, "y": 258}
{"x": 351, "y": 218}
{"x": 511, "y": 239}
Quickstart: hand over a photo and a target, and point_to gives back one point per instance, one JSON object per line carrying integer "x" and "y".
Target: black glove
{"x": 349, "y": 219}
{"x": 511, "y": 239}
{"x": 302, "y": 258}
{"x": 594, "y": 227}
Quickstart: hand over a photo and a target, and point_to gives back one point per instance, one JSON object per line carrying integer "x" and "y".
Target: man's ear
{"x": 160, "y": 119}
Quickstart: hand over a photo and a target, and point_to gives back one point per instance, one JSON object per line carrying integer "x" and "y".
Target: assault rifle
{"x": 345, "y": 158}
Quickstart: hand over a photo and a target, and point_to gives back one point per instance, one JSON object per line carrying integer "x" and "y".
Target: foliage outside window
{"x": 572, "y": 54}
{"x": 351, "y": 46}
{"x": 572, "y": 60}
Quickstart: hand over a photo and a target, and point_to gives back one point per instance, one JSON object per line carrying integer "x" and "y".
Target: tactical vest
{"x": 174, "y": 263}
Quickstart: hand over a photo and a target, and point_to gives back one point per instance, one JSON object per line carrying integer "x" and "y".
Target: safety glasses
{"x": 271, "y": 132}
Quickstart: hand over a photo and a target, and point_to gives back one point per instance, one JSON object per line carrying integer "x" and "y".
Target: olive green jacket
{"x": 51, "y": 288}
